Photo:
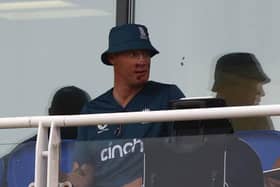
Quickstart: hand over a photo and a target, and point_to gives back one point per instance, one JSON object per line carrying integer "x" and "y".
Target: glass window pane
{"x": 192, "y": 35}
{"x": 199, "y": 160}
{"x": 46, "y": 45}
{"x": 19, "y": 165}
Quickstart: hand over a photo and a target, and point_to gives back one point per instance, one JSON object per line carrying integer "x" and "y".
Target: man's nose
{"x": 142, "y": 61}
{"x": 141, "y": 64}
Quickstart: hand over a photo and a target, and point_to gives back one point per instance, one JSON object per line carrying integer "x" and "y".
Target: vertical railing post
{"x": 40, "y": 157}
{"x": 53, "y": 156}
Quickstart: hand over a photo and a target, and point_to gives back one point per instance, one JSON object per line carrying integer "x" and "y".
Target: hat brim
{"x": 140, "y": 45}
{"x": 228, "y": 78}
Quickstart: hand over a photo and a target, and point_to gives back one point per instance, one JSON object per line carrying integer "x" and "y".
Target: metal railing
{"x": 47, "y": 149}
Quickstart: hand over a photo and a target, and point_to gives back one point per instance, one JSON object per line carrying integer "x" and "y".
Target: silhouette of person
{"x": 68, "y": 100}
{"x": 239, "y": 80}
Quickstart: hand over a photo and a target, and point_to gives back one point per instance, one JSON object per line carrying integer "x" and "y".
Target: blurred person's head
{"x": 68, "y": 100}
{"x": 130, "y": 52}
{"x": 239, "y": 79}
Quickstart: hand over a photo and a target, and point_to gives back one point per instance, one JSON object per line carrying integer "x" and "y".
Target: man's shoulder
{"x": 154, "y": 84}
{"x": 100, "y": 103}
{"x": 165, "y": 88}
{"x": 103, "y": 97}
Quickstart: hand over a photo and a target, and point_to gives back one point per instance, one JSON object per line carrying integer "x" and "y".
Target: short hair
{"x": 68, "y": 100}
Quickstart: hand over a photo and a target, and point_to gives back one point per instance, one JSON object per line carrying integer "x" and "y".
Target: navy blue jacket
{"x": 154, "y": 96}
{"x": 116, "y": 151}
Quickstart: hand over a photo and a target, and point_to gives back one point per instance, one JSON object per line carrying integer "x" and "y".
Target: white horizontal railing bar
{"x": 15, "y": 122}
{"x": 151, "y": 116}
{"x": 28, "y": 121}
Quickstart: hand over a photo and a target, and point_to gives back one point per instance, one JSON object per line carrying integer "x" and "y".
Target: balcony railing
{"x": 48, "y": 148}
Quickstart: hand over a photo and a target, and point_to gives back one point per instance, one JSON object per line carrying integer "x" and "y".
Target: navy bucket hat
{"x": 240, "y": 64}
{"x": 128, "y": 37}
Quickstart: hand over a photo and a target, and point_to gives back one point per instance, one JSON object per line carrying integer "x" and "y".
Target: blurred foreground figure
{"x": 68, "y": 101}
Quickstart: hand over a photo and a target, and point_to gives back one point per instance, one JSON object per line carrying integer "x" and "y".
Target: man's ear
{"x": 111, "y": 58}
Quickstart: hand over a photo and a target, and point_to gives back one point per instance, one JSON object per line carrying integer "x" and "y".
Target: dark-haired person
{"x": 116, "y": 159}
{"x": 68, "y": 100}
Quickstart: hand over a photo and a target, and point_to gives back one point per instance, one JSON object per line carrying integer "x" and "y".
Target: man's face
{"x": 131, "y": 67}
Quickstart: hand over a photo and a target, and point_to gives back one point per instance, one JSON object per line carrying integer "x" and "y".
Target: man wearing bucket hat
{"x": 239, "y": 79}
{"x": 130, "y": 52}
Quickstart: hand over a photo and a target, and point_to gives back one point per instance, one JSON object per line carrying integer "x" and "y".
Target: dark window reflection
{"x": 239, "y": 79}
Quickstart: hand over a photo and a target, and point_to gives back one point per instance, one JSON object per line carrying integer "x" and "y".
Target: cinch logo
{"x": 119, "y": 151}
